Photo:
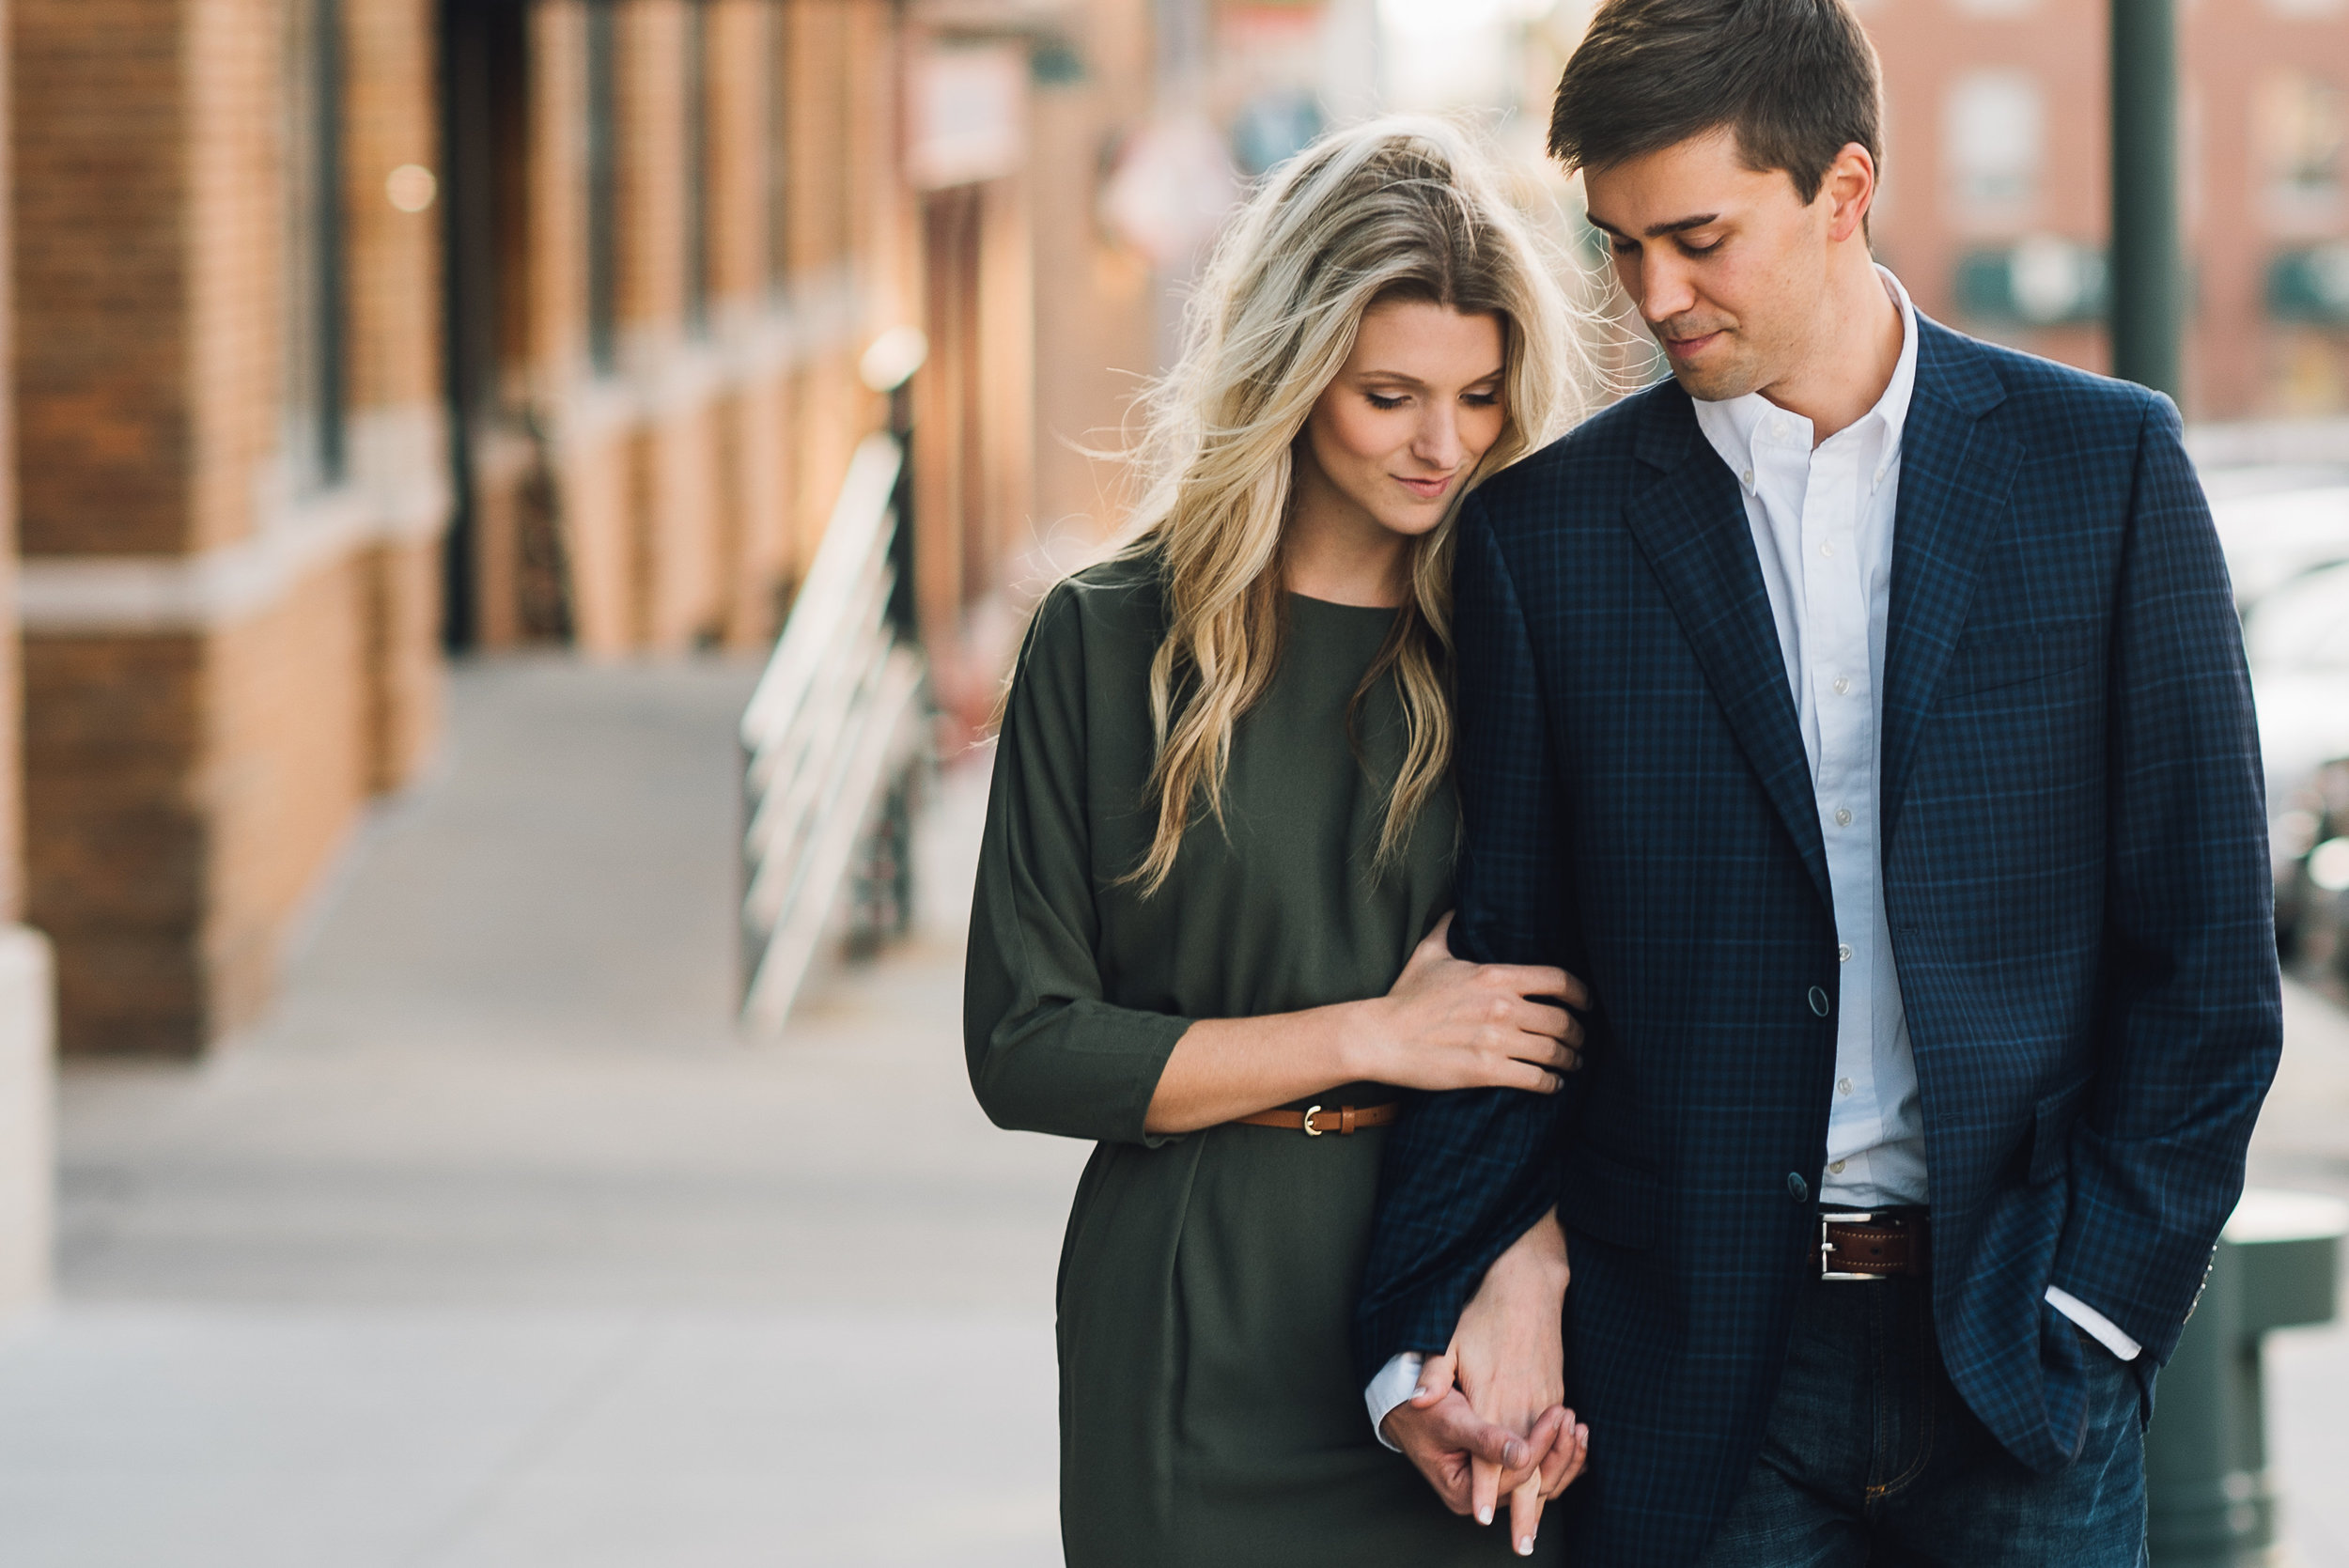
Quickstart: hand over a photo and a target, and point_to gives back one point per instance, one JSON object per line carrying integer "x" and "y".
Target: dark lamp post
{"x": 2148, "y": 278}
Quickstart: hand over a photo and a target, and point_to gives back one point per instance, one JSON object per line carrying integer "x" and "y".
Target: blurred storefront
{"x": 356, "y": 331}
{"x": 1995, "y": 203}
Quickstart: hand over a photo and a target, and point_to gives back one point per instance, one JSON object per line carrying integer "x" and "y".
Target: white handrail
{"x": 834, "y": 722}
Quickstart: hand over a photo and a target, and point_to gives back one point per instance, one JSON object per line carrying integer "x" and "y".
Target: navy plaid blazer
{"x": 2076, "y": 876}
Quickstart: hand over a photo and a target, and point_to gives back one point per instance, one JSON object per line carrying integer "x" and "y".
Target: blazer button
{"x": 1796, "y": 1189}
{"x": 1818, "y": 1001}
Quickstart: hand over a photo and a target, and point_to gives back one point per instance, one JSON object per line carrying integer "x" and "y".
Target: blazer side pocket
{"x": 1607, "y": 1199}
{"x": 2051, "y": 1131}
{"x": 1987, "y": 658}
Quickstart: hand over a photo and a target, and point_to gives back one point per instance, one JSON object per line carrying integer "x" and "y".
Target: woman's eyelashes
{"x": 1384, "y": 401}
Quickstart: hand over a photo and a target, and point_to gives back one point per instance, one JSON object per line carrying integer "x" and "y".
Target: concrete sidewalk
{"x": 497, "y": 1248}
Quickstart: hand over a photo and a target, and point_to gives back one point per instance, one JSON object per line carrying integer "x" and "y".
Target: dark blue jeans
{"x": 1873, "y": 1459}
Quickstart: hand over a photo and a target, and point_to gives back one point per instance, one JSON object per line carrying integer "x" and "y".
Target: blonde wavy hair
{"x": 1396, "y": 208}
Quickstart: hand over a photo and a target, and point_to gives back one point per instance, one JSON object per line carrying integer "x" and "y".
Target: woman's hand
{"x": 1508, "y": 1354}
{"x": 1450, "y": 1024}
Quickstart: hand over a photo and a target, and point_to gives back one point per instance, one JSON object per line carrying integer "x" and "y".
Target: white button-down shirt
{"x": 1822, "y": 512}
{"x": 1822, "y": 517}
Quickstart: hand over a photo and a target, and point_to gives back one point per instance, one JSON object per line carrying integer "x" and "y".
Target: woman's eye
{"x": 1480, "y": 399}
{"x": 1379, "y": 401}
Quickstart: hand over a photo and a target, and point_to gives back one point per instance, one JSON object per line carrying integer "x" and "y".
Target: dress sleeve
{"x": 1047, "y": 1052}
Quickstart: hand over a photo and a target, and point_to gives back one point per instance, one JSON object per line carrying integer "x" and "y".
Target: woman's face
{"x": 1406, "y": 420}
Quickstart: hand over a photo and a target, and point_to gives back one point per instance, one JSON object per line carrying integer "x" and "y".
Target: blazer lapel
{"x": 1953, "y": 482}
{"x": 1691, "y": 525}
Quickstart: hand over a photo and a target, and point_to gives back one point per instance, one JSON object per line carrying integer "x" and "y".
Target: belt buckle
{"x": 1310, "y": 1130}
{"x": 1826, "y": 1246}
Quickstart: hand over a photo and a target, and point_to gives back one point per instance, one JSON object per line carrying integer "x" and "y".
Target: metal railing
{"x": 830, "y": 740}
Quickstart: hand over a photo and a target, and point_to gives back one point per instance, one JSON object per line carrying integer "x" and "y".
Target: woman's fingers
{"x": 1566, "y": 1458}
{"x": 1484, "y": 1489}
{"x": 1553, "y": 1023}
{"x": 1525, "y": 1514}
{"x": 1536, "y": 980}
{"x": 1524, "y": 1075}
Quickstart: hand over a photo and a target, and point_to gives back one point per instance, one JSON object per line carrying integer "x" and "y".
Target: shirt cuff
{"x": 1396, "y": 1382}
{"x": 2092, "y": 1323}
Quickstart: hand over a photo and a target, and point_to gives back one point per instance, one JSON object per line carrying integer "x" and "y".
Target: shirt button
{"x": 1843, "y": 817}
{"x": 1796, "y": 1189}
{"x": 1778, "y": 429}
{"x": 1843, "y": 1087}
{"x": 1818, "y": 1001}
{"x": 1836, "y": 1168}
{"x": 1843, "y": 953}
{"x": 1746, "y": 478}
{"x": 1842, "y": 684}
{"x": 1827, "y": 549}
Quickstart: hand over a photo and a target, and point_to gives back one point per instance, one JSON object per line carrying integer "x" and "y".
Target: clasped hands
{"x": 1489, "y": 1416}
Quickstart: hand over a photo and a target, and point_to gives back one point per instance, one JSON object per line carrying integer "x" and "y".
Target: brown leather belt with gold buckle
{"x": 1870, "y": 1245}
{"x": 1316, "y": 1120}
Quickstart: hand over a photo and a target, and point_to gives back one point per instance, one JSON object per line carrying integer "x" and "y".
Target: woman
{"x": 1219, "y": 846}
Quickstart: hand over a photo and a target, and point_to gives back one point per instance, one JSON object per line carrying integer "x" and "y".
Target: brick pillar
{"x": 27, "y": 1090}
{"x": 228, "y": 647}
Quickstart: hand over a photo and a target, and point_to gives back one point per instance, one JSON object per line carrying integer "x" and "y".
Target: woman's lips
{"x": 1426, "y": 490}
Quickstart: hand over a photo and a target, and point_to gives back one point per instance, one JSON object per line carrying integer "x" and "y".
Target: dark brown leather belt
{"x": 1881, "y": 1246}
{"x": 1317, "y": 1120}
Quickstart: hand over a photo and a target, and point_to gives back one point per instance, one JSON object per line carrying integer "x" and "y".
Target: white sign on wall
{"x": 969, "y": 109}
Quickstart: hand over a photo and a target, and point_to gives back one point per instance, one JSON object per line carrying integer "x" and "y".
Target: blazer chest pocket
{"x": 2051, "y": 1131}
{"x": 1605, "y": 1198}
{"x": 1987, "y": 658}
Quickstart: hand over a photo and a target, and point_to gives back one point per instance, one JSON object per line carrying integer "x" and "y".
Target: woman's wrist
{"x": 1536, "y": 1261}
{"x": 1361, "y": 1053}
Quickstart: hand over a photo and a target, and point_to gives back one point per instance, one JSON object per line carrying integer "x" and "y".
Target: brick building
{"x": 351, "y": 329}
{"x": 1995, "y": 208}
{"x": 25, "y": 1006}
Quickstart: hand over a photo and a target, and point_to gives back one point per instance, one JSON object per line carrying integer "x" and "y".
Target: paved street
{"x": 496, "y": 1248}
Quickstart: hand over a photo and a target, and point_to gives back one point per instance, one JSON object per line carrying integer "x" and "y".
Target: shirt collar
{"x": 1735, "y": 426}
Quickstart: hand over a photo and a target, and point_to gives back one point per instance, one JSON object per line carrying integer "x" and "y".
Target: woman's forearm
{"x": 1223, "y": 1068}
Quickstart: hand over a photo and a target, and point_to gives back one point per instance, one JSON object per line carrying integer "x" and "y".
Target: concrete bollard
{"x": 2209, "y": 1502}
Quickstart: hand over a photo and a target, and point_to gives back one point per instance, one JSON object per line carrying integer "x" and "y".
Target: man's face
{"x": 1727, "y": 264}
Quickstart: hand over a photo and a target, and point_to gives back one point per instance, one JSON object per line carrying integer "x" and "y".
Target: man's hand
{"x": 1439, "y": 1433}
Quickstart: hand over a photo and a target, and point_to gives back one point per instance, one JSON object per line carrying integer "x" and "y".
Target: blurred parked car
{"x": 2297, "y": 639}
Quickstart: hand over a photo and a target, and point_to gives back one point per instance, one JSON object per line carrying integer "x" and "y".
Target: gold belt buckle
{"x": 1310, "y": 1130}
{"x": 1826, "y": 1246}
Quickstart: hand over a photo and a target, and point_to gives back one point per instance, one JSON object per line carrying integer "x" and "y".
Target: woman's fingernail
{"x": 1485, "y": 1515}
{"x": 1420, "y": 1392}
{"x": 1525, "y": 1546}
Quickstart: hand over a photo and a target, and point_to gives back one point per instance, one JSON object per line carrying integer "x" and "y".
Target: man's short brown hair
{"x": 1797, "y": 80}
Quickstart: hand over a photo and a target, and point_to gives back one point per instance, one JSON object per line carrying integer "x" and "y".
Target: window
{"x": 697, "y": 171}
{"x": 2300, "y": 123}
{"x": 778, "y": 148}
{"x": 1993, "y": 143}
{"x": 315, "y": 282}
{"x": 603, "y": 176}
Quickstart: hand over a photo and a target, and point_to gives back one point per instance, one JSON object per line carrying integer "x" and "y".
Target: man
{"x": 1862, "y": 714}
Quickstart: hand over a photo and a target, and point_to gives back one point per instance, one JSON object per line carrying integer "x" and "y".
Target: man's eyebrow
{"x": 1657, "y": 231}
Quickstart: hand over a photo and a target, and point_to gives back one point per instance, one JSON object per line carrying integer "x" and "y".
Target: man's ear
{"x": 1850, "y": 187}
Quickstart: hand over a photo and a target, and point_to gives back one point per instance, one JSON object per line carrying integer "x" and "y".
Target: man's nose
{"x": 1662, "y": 289}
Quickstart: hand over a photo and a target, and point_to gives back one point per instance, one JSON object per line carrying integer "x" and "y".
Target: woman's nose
{"x": 1439, "y": 443}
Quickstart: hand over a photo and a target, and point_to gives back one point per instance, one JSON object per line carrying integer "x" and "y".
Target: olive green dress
{"x": 1209, "y": 1412}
